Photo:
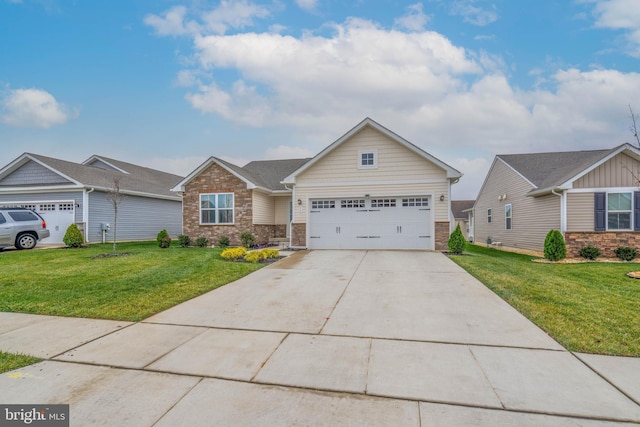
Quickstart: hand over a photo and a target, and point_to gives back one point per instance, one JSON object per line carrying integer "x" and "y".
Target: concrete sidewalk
{"x": 323, "y": 338}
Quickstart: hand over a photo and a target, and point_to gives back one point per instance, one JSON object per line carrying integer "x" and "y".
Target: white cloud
{"x": 414, "y": 20}
{"x": 620, "y": 15}
{"x": 307, "y": 4}
{"x": 473, "y": 14}
{"x": 474, "y": 171}
{"x": 234, "y": 14}
{"x": 288, "y": 152}
{"x": 32, "y": 108}
{"x": 172, "y": 23}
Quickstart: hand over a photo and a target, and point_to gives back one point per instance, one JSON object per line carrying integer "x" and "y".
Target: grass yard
{"x": 587, "y": 307}
{"x": 71, "y": 282}
{"x": 9, "y": 362}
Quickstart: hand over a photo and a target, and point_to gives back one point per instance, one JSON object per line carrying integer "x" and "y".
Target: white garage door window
{"x": 376, "y": 223}
{"x": 58, "y": 215}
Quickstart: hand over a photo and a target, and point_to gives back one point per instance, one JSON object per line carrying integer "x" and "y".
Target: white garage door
{"x": 376, "y": 223}
{"x": 58, "y": 215}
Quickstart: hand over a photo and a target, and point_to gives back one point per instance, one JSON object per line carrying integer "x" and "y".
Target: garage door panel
{"x": 382, "y": 223}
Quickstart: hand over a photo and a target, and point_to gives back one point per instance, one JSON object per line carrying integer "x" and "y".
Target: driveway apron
{"x": 403, "y": 338}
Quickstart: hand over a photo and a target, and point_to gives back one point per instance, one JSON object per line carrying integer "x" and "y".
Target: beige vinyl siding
{"x": 580, "y": 216}
{"x": 399, "y": 172}
{"x": 263, "y": 208}
{"x": 617, "y": 172}
{"x": 282, "y": 210}
{"x": 532, "y": 218}
{"x": 394, "y": 162}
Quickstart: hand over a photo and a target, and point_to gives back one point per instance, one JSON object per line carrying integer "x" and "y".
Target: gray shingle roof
{"x": 271, "y": 172}
{"x": 549, "y": 170}
{"x": 458, "y": 206}
{"x": 138, "y": 179}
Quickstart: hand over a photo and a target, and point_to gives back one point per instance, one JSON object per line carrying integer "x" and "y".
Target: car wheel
{"x": 26, "y": 241}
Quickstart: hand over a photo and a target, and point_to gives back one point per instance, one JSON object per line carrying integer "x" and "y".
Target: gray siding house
{"x": 66, "y": 192}
{"x": 592, "y": 197}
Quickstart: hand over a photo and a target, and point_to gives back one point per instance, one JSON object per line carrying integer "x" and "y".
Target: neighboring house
{"x": 66, "y": 192}
{"x": 592, "y": 197}
{"x": 461, "y": 210}
{"x": 369, "y": 189}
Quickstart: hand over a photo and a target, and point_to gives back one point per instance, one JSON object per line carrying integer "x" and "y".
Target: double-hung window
{"x": 508, "y": 212}
{"x": 619, "y": 210}
{"x": 216, "y": 208}
{"x": 489, "y": 215}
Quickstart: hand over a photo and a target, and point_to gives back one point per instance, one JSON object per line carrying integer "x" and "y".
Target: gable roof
{"x": 557, "y": 170}
{"x": 134, "y": 179}
{"x": 367, "y": 122}
{"x": 458, "y": 208}
{"x": 264, "y": 174}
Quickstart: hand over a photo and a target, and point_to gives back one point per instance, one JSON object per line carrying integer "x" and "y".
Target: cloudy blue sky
{"x": 167, "y": 83}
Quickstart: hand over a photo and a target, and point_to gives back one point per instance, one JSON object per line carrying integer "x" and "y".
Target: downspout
{"x": 85, "y": 212}
{"x": 291, "y": 214}
{"x": 563, "y": 211}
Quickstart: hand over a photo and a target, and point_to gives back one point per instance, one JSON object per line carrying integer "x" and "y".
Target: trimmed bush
{"x": 270, "y": 253}
{"x": 456, "y": 241}
{"x": 253, "y": 256}
{"x": 202, "y": 242}
{"x": 223, "y": 242}
{"x": 626, "y": 253}
{"x": 233, "y": 254}
{"x": 184, "y": 240}
{"x": 247, "y": 239}
{"x": 163, "y": 239}
{"x": 73, "y": 237}
{"x": 554, "y": 246}
{"x": 589, "y": 252}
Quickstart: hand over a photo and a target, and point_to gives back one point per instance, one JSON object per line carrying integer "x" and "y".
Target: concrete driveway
{"x": 323, "y": 338}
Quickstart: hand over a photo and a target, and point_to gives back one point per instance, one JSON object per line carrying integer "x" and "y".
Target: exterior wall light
{"x": 442, "y": 197}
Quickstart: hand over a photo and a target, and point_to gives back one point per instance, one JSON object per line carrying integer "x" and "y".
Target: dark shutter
{"x": 636, "y": 211}
{"x": 600, "y": 209}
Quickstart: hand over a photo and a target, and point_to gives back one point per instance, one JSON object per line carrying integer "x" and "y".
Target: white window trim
{"x": 216, "y": 209}
{"x": 510, "y": 217}
{"x": 489, "y": 216}
{"x": 375, "y": 159}
{"x": 630, "y": 211}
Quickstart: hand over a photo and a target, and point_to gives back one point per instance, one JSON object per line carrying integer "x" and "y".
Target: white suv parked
{"x": 21, "y": 228}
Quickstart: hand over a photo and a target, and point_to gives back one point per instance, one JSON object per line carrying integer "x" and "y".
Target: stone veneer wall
{"x": 442, "y": 236}
{"x": 299, "y": 235}
{"x": 215, "y": 179}
{"x": 606, "y": 241}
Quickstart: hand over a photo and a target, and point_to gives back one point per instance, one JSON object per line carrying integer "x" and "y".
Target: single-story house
{"x": 65, "y": 192}
{"x": 461, "y": 210}
{"x": 369, "y": 189}
{"x": 592, "y": 197}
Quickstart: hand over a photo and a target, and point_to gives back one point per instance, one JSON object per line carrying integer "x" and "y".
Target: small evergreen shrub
{"x": 253, "y": 256}
{"x": 456, "y": 241}
{"x": 247, "y": 239}
{"x": 184, "y": 240}
{"x": 626, "y": 253}
{"x": 223, "y": 242}
{"x": 233, "y": 254}
{"x": 202, "y": 242}
{"x": 73, "y": 237}
{"x": 554, "y": 246}
{"x": 163, "y": 239}
{"x": 589, "y": 252}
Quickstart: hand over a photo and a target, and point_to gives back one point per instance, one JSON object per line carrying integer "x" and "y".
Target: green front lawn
{"x": 587, "y": 307}
{"x": 72, "y": 282}
{"x": 9, "y": 362}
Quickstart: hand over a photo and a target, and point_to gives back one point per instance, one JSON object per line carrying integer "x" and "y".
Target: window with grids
{"x": 619, "y": 209}
{"x": 415, "y": 201}
{"x": 65, "y": 206}
{"x": 383, "y": 203}
{"x": 216, "y": 208}
{"x": 489, "y": 215}
{"x": 47, "y": 207}
{"x": 508, "y": 212}
{"x": 323, "y": 204}
{"x": 367, "y": 159}
{"x": 30, "y": 207}
{"x": 352, "y": 203}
